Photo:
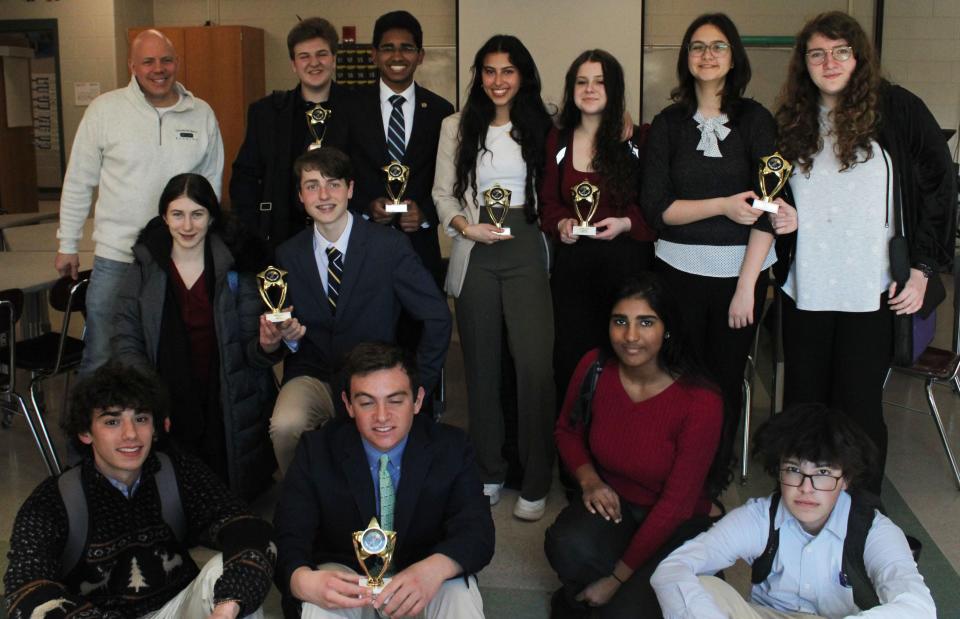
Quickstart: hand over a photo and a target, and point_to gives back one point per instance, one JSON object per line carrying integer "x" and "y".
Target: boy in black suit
{"x": 399, "y": 120}
{"x": 418, "y": 478}
{"x": 348, "y": 280}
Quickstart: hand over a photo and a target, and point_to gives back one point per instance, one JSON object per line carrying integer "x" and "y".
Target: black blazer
{"x": 381, "y": 276}
{"x": 368, "y": 153}
{"x": 328, "y": 493}
{"x": 263, "y": 169}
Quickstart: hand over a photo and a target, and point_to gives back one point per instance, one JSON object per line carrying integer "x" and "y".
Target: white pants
{"x": 453, "y": 599}
{"x": 729, "y": 601}
{"x": 196, "y": 599}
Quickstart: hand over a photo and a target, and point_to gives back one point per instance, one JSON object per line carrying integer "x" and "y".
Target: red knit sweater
{"x": 654, "y": 453}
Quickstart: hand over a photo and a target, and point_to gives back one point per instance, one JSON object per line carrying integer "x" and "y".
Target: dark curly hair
{"x": 819, "y": 434}
{"x": 737, "y": 78}
{"x": 611, "y": 158}
{"x": 529, "y": 116}
{"x": 114, "y": 386}
{"x": 857, "y": 112}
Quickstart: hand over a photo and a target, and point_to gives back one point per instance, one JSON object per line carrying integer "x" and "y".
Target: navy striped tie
{"x": 334, "y": 276}
{"x": 396, "y": 134}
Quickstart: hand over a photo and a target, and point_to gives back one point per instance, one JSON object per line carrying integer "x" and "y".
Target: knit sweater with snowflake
{"x": 133, "y": 563}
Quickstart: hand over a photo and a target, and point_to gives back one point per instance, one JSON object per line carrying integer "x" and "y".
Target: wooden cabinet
{"x": 18, "y": 163}
{"x": 223, "y": 65}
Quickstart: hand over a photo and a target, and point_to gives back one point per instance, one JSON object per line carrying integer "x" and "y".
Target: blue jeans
{"x": 102, "y": 292}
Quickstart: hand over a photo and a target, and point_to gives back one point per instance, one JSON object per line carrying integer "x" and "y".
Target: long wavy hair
{"x": 855, "y": 116}
{"x": 678, "y": 357}
{"x": 529, "y": 116}
{"x": 610, "y": 158}
{"x": 737, "y": 78}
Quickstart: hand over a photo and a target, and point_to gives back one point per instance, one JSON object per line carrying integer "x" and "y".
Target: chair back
{"x": 956, "y": 306}
{"x": 68, "y": 296}
{"x": 11, "y": 306}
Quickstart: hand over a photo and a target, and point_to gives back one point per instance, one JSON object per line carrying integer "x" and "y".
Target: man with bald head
{"x": 130, "y": 142}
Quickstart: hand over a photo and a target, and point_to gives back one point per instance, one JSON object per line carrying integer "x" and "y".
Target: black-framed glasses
{"x": 792, "y": 477}
{"x": 404, "y": 48}
{"x": 819, "y": 56}
{"x": 717, "y": 48}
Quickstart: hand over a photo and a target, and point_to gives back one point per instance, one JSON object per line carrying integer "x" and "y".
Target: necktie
{"x": 334, "y": 276}
{"x": 396, "y": 133}
{"x": 386, "y": 495}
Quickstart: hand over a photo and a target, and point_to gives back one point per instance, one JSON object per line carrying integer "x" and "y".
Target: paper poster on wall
{"x": 85, "y": 92}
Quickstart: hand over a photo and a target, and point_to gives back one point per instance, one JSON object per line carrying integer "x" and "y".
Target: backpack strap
{"x": 853, "y": 571}
{"x": 170, "y": 503}
{"x": 762, "y": 565}
{"x": 75, "y": 501}
{"x": 581, "y": 411}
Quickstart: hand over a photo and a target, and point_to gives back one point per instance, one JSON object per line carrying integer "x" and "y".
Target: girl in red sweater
{"x": 640, "y": 450}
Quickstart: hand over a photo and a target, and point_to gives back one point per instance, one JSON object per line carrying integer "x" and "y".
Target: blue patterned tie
{"x": 386, "y": 495}
{"x": 396, "y": 134}
{"x": 334, "y": 276}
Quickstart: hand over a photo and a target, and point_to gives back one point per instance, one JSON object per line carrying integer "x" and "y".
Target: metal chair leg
{"x": 36, "y": 435}
{"x": 747, "y": 409}
{"x": 53, "y": 463}
{"x": 886, "y": 378}
{"x": 935, "y": 413}
{"x": 955, "y": 384}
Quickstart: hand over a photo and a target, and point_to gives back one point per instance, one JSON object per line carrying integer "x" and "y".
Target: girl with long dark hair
{"x": 587, "y": 147}
{"x": 501, "y": 279}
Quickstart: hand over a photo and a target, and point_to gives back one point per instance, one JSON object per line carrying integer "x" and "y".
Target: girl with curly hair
{"x": 865, "y": 150}
{"x": 500, "y": 279}
{"x": 699, "y": 182}
{"x": 587, "y": 146}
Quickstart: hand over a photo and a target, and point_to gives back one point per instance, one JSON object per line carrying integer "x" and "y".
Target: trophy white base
{"x": 584, "y": 231}
{"x": 278, "y": 316}
{"x": 396, "y": 207}
{"x": 376, "y": 590}
{"x": 502, "y": 232}
{"x": 763, "y": 205}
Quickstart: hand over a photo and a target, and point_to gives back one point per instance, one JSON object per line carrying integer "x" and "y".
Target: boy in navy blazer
{"x": 348, "y": 280}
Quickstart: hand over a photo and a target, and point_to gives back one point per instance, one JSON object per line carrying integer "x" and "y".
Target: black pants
{"x": 704, "y": 308}
{"x": 583, "y": 547}
{"x": 840, "y": 359}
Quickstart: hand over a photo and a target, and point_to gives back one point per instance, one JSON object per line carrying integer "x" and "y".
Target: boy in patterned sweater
{"x": 135, "y": 558}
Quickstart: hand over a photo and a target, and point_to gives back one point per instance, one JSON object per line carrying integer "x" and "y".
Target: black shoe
{"x": 560, "y": 608}
{"x": 916, "y": 546}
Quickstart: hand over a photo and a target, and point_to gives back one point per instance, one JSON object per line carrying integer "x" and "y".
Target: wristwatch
{"x": 925, "y": 269}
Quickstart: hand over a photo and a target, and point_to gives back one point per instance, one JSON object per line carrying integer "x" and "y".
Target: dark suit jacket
{"x": 263, "y": 169}
{"x": 328, "y": 493}
{"x": 368, "y": 153}
{"x": 381, "y": 276}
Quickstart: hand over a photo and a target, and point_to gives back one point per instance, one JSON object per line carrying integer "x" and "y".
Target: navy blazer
{"x": 368, "y": 153}
{"x": 381, "y": 276}
{"x": 328, "y": 493}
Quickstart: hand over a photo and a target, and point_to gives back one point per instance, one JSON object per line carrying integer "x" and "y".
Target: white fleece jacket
{"x": 128, "y": 149}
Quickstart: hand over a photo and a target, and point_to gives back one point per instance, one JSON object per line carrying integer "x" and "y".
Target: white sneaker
{"x": 493, "y": 491}
{"x": 530, "y": 510}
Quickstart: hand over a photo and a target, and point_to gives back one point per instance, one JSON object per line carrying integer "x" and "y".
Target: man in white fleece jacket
{"x": 130, "y": 142}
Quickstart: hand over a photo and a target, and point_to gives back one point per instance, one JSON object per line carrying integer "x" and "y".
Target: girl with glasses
{"x": 860, "y": 146}
{"x": 699, "y": 181}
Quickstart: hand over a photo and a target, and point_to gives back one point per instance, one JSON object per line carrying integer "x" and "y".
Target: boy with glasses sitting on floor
{"x": 818, "y": 546}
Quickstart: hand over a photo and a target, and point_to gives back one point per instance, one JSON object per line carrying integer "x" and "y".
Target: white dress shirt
{"x": 805, "y": 576}
{"x": 408, "y": 106}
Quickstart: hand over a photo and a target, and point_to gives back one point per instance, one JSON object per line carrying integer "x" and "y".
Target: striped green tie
{"x": 386, "y": 495}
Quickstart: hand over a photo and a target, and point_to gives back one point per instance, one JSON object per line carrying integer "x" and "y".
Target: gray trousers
{"x": 507, "y": 283}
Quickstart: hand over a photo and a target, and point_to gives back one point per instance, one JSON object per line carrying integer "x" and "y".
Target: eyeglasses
{"x": 819, "y": 56}
{"x": 717, "y": 48}
{"x": 405, "y": 48}
{"x": 793, "y": 477}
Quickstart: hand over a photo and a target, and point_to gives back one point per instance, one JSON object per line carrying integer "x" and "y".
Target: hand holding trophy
{"x": 397, "y": 177}
{"x": 498, "y": 197}
{"x": 588, "y": 195}
{"x": 270, "y": 280}
{"x": 317, "y": 121}
{"x": 780, "y": 168}
{"x": 374, "y": 542}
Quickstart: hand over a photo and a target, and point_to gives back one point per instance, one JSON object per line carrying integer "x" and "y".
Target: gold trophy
{"x": 374, "y": 542}
{"x": 317, "y": 118}
{"x": 500, "y": 197}
{"x": 779, "y": 167}
{"x": 397, "y": 176}
{"x": 587, "y": 194}
{"x": 272, "y": 277}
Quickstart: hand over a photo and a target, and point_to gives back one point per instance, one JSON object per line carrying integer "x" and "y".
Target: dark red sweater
{"x": 654, "y": 453}
{"x": 556, "y": 202}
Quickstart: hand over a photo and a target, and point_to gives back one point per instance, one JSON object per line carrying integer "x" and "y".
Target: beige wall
{"x": 128, "y": 14}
